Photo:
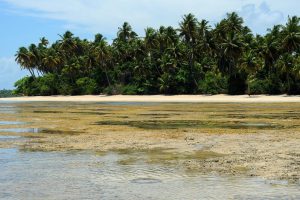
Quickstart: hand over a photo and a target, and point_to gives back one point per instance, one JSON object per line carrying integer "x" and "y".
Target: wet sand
{"x": 237, "y": 139}
{"x": 161, "y": 98}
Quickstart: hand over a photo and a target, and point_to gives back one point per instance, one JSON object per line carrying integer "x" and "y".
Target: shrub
{"x": 48, "y": 84}
{"x": 130, "y": 90}
{"x": 87, "y": 86}
{"x": 258, "y": 86}
{"x": 7, "y": 93}
{"x": 271, "y": 85}
{"x": 27, "y": 86}
{"x": 213, "y": 83}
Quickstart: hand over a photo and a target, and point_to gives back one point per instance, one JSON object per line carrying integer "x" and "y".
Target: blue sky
{"x": 25, "y": 21}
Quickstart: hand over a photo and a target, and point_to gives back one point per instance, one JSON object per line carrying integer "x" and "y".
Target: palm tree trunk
{"x": 248, "y": 83}
{"x": 288, "y": 83}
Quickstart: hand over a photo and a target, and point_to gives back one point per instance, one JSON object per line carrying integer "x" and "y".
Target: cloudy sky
{"x": 25, "y": 21}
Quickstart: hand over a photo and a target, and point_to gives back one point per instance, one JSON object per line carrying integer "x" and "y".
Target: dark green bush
{"x": 130, "y": 90}
{"x": 266, "y": 86}
{"x": 213, "y": 83}
{"x": 7, "y": 93}
{"x": 87, "y": 86}
{"x": 27, "y": 86}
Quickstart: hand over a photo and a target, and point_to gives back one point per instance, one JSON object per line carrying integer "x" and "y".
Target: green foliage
{"x": 113, "y": 90}
{"x": 6, "y": 93}
{"x": 271, "y": 85}
{"x": 130, "y": 90}
{"x": 259, "y": 86}
{"x": 193, "y": 58}
{"x": 48, "y": 84}
{"x": 87, "y": 86}
{"x": 213, "y": 83}
{"x": 26, "y": 86}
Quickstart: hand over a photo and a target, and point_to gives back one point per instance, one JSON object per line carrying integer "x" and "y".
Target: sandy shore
{"x": 162, "y": 98}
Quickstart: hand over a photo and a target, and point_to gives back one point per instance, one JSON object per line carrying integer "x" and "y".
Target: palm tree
{"x": 24, "y": 59}
{"x": 286, "y": 63}
{"x": 126, "y": 33}
{"x": 269, "y": 48}
{"x": 291, "y": 35}
{"x": 52, "y": 61}
{"x": 250, "y": 63}
{"x": 67, "y": 44}
{"x": 102, "y": 54}
{"x": 188, "y": 30}
{"x": 231, "y": 50}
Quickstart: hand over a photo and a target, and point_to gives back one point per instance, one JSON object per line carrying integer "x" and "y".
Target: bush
{"x": 87, "y": 86}
{"x": 258, "y": 86}
{"x": 266, "y": 86}
{"x": 213, "y": 83}
{"x": 6, "y": 93}
{"x": 121, "y": 89}
{"x": 130, "y": 90}
{"x": 26, "y": 86}
{"x": 48, "y": 84}
{"x": 113, "y": 90}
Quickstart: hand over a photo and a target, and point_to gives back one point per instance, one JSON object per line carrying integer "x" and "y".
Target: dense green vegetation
{"x": 6, "y": 93}
{"x": 192, "y": 59}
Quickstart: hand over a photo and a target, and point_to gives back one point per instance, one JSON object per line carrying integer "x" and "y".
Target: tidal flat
{"x": 237, "y": 140}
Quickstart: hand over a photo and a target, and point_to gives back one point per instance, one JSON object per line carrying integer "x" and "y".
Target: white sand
{"x": 161, "y": 98}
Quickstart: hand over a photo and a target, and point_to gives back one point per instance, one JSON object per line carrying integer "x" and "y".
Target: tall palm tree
{"x": 52, "y": 61}
{"x": 250, "y": 63}
{"x": 24, "y": 59}
{"x": 188, "y": 30}
{"x": 286, "y": 64}
{"x": 231, "y": 50}
{"x": 126, "y": 33}
{"x": 102, "y": 54}
{"x": 291, "y": 35}
{"x": 67, "y": 44}
{"x": 269, "y": 48}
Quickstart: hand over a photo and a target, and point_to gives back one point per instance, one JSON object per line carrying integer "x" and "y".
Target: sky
{"x": 25, "y": 21}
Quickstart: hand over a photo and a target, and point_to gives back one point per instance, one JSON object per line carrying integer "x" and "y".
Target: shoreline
{"x": 162, "y": 98}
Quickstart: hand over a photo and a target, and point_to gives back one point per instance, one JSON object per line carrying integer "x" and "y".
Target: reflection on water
{"x": 8, "y": 137}
{"x": 20, "y": 130}
{"x": 11, "y": 123}
{"x": 36, "y": 175}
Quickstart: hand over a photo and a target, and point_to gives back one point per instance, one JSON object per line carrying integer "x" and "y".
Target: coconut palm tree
{"x": 102, "y": 55}
{"x": 250, "y": 63}
{"x": 291, "y": 35}
{"x": 126, "y": 33}
{"x": 188, "y": 30}
{"x": 24, "y": 59}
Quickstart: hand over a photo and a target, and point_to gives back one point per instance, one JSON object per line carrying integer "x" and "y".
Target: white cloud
{"x": 261, "y": 17}
{"x": 106, "y": 15}
{"x": 9, "y": 72}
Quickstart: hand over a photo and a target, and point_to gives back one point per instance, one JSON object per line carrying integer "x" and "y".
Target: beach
{"x": 162, "y": 98}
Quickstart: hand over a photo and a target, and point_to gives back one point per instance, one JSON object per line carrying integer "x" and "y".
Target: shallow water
{"x": 84, "y": 175}
{"x": 20, "y": 130}
{"x": 130, "y": 174}
{"x": 11, "y": 123}
{"x": 8, "y": 137}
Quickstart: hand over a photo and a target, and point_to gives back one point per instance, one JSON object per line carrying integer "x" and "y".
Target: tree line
{"x": 6, "y": 93}
{"x": 194, "y": 58}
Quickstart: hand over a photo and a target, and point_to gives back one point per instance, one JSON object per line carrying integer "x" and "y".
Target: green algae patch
{"x": 160, "y": 156}
{"x": 183, "y": 124}
{"x": 59, "y": 132}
